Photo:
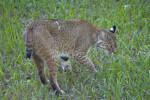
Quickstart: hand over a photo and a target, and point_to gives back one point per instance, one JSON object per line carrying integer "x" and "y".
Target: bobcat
{"x": 45, "y": 40}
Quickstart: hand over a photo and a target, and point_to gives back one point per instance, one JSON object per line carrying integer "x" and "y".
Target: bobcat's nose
{"x": 113, "y": 50}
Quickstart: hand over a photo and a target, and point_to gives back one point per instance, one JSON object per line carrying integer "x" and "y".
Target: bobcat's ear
{"x": 113, "y": 29}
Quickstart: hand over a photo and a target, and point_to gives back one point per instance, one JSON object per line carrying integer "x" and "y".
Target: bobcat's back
{"x": 62, "y": 36}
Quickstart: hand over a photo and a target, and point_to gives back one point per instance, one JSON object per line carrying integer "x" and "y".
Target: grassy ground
{"x": 125, "y": 75}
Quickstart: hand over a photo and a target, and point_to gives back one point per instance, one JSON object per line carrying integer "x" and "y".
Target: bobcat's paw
{"x": 47, "y": 81}
{"x": 62, "y": 92}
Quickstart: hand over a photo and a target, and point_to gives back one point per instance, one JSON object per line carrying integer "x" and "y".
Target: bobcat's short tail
{"x": 28, "y": 42}
{"x": 28, "y": 53}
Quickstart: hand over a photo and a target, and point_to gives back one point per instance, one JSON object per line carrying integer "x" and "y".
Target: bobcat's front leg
{"x": 83, "y": 59}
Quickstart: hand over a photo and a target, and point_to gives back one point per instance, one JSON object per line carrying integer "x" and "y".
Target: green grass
{"x": 125, "y": 75}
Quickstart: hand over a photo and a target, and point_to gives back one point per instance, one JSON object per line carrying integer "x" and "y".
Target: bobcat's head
{"x": 107, "y": 40}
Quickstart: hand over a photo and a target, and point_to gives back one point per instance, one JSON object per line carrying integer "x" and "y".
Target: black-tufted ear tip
{"x": 113, "y": 29}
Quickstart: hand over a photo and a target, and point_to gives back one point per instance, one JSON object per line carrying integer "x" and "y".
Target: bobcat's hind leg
{"x": 52, "y": 64}
{"x": 84, "y": 60}
{"x": 54, "y": 84}
{"x": 40, "y": 67}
